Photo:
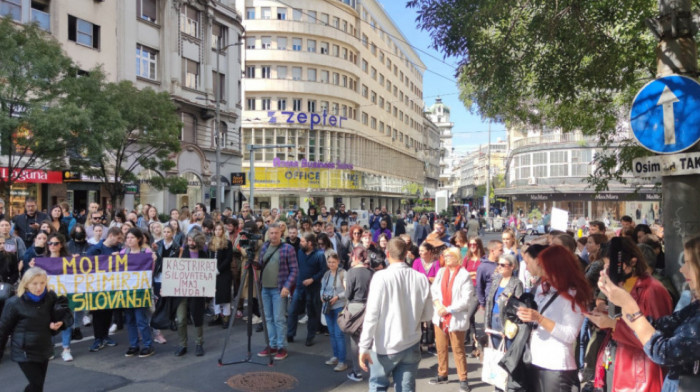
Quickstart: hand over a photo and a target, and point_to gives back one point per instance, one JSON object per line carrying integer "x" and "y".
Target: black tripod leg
{"x": 233, "y": 319}
{"x": 258, "y": 284}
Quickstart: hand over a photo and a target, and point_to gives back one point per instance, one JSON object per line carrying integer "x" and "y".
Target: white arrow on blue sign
{"x": 665, "y": 115}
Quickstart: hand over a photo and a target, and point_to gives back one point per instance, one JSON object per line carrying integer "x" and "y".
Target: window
{"x": 281, "y": 104}
{"x": 336, "y": 50}
{"x": 364, "y": 91}
{"x": 282, "y": 43}
{"x": 373, "y": 97}
{"x": 83, "y": 32}
{"x": 191, "y": 69}
{"x": 311, "y": 105}
{"x": 336, "y": 78}
{"x": 311, "y": 74}
{"x": 296, "y": 73}
{"x": 266, "y": 72}
{"x": 266, "y": 12}
{"x": 336, "y": 22}
{"x": 381, "y": 79}
{"x": 296, "y": 102}
{"x": 266, "y": 42}
{"x": 373, "y": 73}
{"x": 282, "y": 13}
{"x": 189, "y": 126}
{"x": 373, "y": 49}
{"x": 296, "y": 44}
{"x": 250, "y": 71}
{"x": 250, "y": 13}
{"x": 146, "y": 62}
{"x": 311, "y": 45}
{"x": 312, "y": 16}
{"x": 324, "y": 47}
{"x": 324, "y": 77}
{"x": 189, "y": 21}
{"x": 345, "y": 54}
{"x": 296, "y": 14}
{"x": 345, "y": 81}
{"x": 219, "y": 82}
{"x": 373, "y": 123}
{"x": 334, "y": 110}
{"x": 265, "y": 104}
{"x": 559, "y": 166}
{"x": 364, "y": 40}
{"x": 250, "y": 104}
{"x": 364, "y": 65}
{"x": 13, "y": 8}
{"x": 250, "y": 43}
{"x": 324, "y": 19}
{"x": 345, "y": 26}
{"x": 381, "y": 57}
{"x": 381, "y": 102}
{"x": 146, "y": 10}
{"x": 324, "y": 106}
{"x": 365, "y": 118}
{"x": 281, "y": 72}
{"x": 219, "y": 35}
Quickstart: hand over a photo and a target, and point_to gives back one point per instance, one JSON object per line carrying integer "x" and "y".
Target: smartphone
{"x": 615, "y": 271}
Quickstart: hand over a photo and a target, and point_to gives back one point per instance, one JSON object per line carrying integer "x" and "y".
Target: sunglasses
{"x": 96, "y": 217}
{"x": 503, "y": 265}
{"x": 357, "y": 232}
{"x": 53, "y": 243}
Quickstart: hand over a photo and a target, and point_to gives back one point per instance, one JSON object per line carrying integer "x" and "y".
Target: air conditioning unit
{"x": 532, "y": 181}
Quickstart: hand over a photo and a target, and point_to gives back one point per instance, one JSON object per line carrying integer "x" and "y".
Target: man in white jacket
{"x": 398, "y": 301}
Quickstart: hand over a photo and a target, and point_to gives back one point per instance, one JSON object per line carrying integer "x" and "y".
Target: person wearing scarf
{"x": 452, "y": 290}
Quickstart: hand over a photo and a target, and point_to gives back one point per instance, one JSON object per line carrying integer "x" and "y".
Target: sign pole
{"x": 677, "y": 54}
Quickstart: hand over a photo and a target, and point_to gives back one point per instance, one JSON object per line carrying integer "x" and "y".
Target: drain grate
{"x": 262, "y": 382}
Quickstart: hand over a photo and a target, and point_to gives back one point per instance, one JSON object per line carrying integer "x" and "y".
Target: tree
{"x": 137, "y": 130}
{"x": 568, "y": 64}
{"x": 38, "y": 119}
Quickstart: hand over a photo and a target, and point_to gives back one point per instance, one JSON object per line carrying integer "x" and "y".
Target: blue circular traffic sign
{"x": 665, "y": 115}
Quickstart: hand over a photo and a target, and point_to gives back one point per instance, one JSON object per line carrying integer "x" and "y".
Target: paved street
{"x": 109, "y": 370}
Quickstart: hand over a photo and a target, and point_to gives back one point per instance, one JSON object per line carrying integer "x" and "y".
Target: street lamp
{"x": 217, "y": 137}
{"x": 253, "y": 148}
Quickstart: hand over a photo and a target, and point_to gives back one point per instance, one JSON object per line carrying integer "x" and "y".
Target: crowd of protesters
{"x": 572, "y": 314}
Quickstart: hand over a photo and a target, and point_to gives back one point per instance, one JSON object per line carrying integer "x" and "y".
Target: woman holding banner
{"x": 194, "y": 249}
{"x": 137, "y": 319}
{"x": 221, "y": 249}
{"x": 57, "y": 248}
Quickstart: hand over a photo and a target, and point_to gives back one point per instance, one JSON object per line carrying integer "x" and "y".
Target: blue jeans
{"x": 496, "y": 324}
{"x": 308, "y": 297}
{"x": 337, "y": 336}
{"x": 275, "y": 308}
{"x": 402, "y": 366}
{"x": 137, "y": 321}
{"x": 66, "y": 335}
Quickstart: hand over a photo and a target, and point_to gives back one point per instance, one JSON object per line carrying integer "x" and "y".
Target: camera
{"x": 326, "y": 298}
{"x": 248, "y": 239}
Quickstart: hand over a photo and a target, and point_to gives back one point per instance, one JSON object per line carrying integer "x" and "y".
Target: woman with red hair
{"x": 562, "y": 295}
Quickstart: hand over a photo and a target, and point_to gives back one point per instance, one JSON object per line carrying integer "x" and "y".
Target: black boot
{"x": 225, "y": 321}
{"x": 215, "y": 321}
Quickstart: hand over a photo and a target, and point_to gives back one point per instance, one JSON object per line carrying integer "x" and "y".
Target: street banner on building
{"x": 313, "y": 178}
{"x": 101, "y": 282}
{"x": 560, "y": 219}
{"x": 667, "y": 165}
{"x": 188, "y": 277}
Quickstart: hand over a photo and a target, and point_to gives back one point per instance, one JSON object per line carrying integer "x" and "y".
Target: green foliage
{"x": 138, "y": 130}
{"x": 568, "y": 64}
{"x": 38, "y": 121}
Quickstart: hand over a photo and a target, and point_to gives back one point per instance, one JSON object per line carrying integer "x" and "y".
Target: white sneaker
{"x": 332, "y": 362}
{"x": 256, "y": 319}
{"x": 304, "y": 319}
{"x": 340, "y": 367}
{"x": 87, "y": 320}
{"x": 66, "y": 355}
{"x": 112, "y": 329}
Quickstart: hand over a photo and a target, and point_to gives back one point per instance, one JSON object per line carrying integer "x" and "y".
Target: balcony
{"x": 42, "y": 19}
{"x": 550, "y": 139}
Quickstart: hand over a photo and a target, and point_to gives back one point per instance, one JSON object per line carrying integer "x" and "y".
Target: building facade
{"x": 166, "y": 45}
{"x": 335, "y": 81}
{"x": 548, "y": 168}
{"x": 439, "y": 113}
{"x": 476, "y": 167}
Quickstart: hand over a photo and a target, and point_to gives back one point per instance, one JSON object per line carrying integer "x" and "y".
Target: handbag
{"x": 350, "y": 323}
{"x": 164, "y": 315}
{"x": 689, "y": 382}
{"x": 491, "y": 372}
{"x": 7, "y": 290}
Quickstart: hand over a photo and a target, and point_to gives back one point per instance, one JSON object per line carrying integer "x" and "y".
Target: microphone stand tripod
{"x": 250, "y": 278}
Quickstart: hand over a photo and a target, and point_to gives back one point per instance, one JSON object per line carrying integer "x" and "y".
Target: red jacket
{"x": 634, "y": 371}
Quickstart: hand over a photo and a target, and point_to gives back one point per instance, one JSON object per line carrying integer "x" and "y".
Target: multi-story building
{"x": 474, "y": 169}
{"x": 337, "y": 82}
{"x": 439, "y": 113}
{"x": 547, "y": 168}
{"x": 166, "y": 45}
{"x": 430, "y": 155}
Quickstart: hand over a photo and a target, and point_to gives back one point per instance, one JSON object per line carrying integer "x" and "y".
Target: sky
{"x": 438, "y": 80}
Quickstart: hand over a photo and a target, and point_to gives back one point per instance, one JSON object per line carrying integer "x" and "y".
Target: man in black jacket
{"x": 27, "y": 224}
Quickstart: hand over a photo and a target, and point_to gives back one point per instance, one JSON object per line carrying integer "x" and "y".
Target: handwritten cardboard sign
{"x": 188, "y": 277}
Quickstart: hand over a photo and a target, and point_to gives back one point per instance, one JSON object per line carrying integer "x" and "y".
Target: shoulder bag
{"x": 690, "y": 382}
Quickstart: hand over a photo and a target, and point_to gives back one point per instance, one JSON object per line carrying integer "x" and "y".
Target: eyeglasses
{"x": 356, "y": 232}
{"x": 53, "y": 243}
{"x": 503, "y": 265}
{"x": 96, "y": 217}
